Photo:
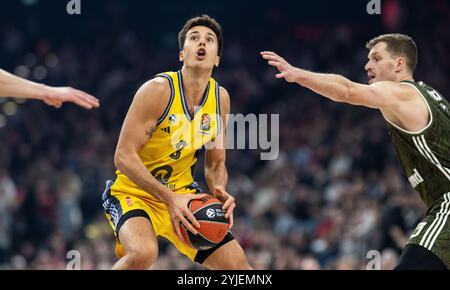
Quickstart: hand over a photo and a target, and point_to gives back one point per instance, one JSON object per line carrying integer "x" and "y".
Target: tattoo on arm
{"x": 150, "y": 131}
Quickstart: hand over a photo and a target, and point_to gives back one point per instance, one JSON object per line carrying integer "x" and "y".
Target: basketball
{"x": 213, "y": 224}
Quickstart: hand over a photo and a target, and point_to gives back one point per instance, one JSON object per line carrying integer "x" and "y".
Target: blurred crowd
{"x": 335, "y": 192}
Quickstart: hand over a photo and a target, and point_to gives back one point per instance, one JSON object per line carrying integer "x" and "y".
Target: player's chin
{"x": 203, "y": 64}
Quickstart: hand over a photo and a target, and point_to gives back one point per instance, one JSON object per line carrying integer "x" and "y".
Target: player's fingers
{"x": 228, "y": 202}
{"x": 199, "y": 196}
{"x": 85, "y": 102}
{"x": 188, "y": 224}
{"x": 72, "y": 95}
{"x": 280, "y": 75}
{"x": 231, "y": 222}
{"x": 188, "y": 214}
{"x": 263, "y": 53}
{"x": 267, "y": 56}
{"x": 274, "y": 63}
{"x": 222, "y": 196}
{"x": 178, "y": 231}
{"x": 88, "y": 98}
{"x": 176, "y": 228}
{"x": 230, "y": 210}
{"x": 80, "y": 102}
{"x": 272, "y": 56}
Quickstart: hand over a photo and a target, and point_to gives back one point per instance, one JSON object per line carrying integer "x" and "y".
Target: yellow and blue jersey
{"x": 172, "y": 151}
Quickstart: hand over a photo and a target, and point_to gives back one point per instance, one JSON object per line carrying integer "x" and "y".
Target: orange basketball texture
{"x": 213, "y": 224}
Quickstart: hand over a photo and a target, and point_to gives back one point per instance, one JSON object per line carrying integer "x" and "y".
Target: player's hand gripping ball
{"x": 213, "y": 224}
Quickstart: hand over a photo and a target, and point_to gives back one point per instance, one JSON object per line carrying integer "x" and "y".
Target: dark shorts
{"x": 433, "y": 232}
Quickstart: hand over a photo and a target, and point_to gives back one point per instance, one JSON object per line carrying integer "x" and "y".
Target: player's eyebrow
{"x": 209, "y": 33}
{"x": 373, "y": 54}
{"x": 197, "y": 32}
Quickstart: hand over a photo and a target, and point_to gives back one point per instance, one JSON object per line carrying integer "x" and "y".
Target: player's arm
{"x": 216, "y": 174}
{"x": 140, "y": 122}
{"x": 17, "y": 87}
{"x": 381, "y": 95}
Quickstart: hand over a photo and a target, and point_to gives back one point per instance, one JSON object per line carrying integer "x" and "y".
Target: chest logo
{"x": 205, "y": 123}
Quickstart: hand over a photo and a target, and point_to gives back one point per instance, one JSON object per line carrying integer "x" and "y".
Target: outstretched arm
{"x": 381, "y": 95}
{"x": 17, "y": 87}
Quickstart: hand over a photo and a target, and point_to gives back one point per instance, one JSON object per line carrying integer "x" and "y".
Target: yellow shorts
{"x": 119, "y": 207}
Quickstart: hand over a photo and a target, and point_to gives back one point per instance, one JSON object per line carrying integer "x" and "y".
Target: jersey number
{"x": 180, "y": 145}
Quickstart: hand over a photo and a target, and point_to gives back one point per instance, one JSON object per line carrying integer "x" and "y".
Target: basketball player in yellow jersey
{"x": 171, "y": 117}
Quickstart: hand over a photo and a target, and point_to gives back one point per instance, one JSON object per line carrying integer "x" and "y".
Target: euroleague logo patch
{"x": 212, "y": 213}
{"x": 205, "y": 123}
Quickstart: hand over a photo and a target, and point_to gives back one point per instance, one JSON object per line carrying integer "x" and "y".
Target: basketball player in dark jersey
{"x": 418, "y": 119}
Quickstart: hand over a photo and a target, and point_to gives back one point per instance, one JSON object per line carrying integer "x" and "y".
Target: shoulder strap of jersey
{"x": 169, "y": 77}
{"x": 218, "y": 111}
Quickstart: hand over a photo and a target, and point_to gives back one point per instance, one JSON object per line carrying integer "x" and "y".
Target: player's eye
{"x": 194, "y": 37}
{"x": 210, "y": 39}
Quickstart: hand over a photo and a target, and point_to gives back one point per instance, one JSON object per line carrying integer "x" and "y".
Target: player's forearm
{"x": 132, "y": 166}
{"x": 13, "y": 86}
{"x": 332, "y": 86}
{"x": 216, "y": 176}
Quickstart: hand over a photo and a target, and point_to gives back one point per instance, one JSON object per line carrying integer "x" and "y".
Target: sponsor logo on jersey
{"x": 415, "y": 179}
{"x": 166, "y": 129}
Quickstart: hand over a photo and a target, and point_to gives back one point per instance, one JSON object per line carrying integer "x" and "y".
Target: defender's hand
{"x": 286, "y": 70}
{"x": 56, "y": 96}
{"x": 179, "y": 211}
{"x": 228, "y": 203}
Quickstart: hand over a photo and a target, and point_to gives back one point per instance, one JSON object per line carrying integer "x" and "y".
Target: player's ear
{"x": 181, "y": 56}
{"x": 400, "y": 64}
{"x": 216, "y": 63}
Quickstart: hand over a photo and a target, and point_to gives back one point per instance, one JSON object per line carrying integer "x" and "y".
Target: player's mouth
{"x": 371, "y": 77}
{"x": 201, "y": 54}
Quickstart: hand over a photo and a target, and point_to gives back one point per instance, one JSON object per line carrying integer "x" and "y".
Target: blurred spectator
{"x": 389, "y": 259}
{"x": 8, "y": 205}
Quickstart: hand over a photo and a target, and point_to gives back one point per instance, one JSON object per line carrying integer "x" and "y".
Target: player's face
{"x": 200, "y": 48}
{"x": 381, "y": 65}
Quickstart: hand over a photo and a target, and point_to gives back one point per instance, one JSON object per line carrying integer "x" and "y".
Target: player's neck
{"x": 194, "y": 83}
{"x": 407, "y": 77}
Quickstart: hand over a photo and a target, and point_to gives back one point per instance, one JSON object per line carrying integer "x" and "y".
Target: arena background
{"x": 336, "y": 190}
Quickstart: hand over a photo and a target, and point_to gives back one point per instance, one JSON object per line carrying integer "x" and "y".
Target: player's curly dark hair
{"x": 206, "y": 21}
